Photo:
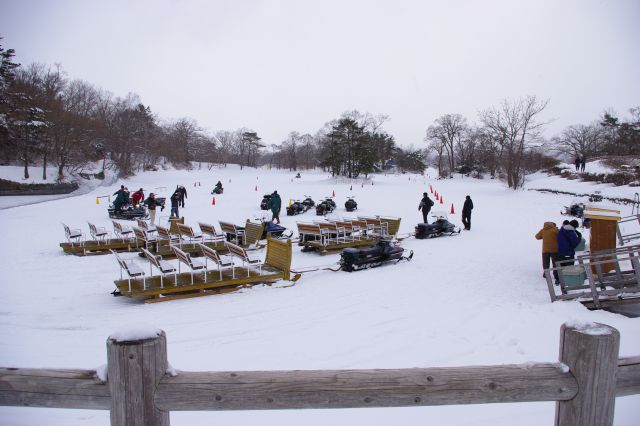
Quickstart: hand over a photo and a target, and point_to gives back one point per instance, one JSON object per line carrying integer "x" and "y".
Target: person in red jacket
{"x": 137, "y": 197}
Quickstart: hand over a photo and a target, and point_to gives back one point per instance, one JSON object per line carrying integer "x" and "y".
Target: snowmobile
{"x": 575, "y": 209}
{"x": 264, "y": 204}
{"x": 128, "y": 212}
{"x": 355, "y": 259}
{"x": 436, "y": 229}
{"x": 296, "y": 208}
{"x": 217, "y": 190}
{"x": 308, "y": 202}
{"x": 275, "y": 231}
{"x": 351, "y": 204}
{"x": 325, "y": 206}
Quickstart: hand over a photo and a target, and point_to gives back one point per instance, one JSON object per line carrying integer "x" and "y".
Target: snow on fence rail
{"x": 141, "y": 389}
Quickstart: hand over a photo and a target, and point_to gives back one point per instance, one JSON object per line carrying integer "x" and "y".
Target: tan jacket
{"x": 549, "y": 236}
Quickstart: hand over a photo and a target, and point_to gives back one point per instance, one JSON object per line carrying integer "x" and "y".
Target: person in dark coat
{"x": 182, "y": 191}
{"x": 577, "y": 163}
{"x": 151, "y": 204}
{"x": 567, "y": 242}
{"x": 425, "y": 205}
{"x": 175, "y": 203}
{"x": 122, "y": 197}
{"x": 583, "y": 163}
{"x": 275, "y": 203}
{"x": 466, "y": 213}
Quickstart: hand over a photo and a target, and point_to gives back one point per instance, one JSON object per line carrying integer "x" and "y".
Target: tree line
{"x": 507, "y": 141}
{"x": 53, "y": 121}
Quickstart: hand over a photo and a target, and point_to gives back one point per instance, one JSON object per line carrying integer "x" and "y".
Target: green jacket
{"x": 275, "y": 203}
{"x": 121, "y": 196}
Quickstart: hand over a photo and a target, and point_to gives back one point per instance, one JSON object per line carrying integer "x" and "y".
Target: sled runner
{"x": 205, "y": 276}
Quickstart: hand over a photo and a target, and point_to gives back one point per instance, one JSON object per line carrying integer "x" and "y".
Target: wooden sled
{"x": 205, "y": 281}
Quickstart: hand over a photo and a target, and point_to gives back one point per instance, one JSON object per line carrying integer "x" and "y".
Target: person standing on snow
{"x": 275, "y": 203}
{"x": 182, "y": 191}
{"x": 583, "y": 163}
{"x": 425, "y": 205}
{"x": 137, "y": 197}
{"x": 151, "y": 204}
{"x": 567, "y": 242}
{"x": 175, "y": 203}
{"x": 466, "y": 213}
{"x": 549, "y": 236}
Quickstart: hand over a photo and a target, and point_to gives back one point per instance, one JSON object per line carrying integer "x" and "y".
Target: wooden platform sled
{"x": 100, "y": 243}
{"x": 599, "y": 280}
{"x": 276, "y": 266}
{"x": 332, "y": 236}
{"x": 184, "y": 236}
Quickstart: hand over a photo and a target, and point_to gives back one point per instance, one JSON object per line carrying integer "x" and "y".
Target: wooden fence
{"x": 139, "y": 391}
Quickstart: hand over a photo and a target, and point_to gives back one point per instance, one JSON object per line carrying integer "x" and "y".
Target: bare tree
{"x": 580, "y": 140}
{"x": 513, "y": 126}
{"x": 448, "y": 131}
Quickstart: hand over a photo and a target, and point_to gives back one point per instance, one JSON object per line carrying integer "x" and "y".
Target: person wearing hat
{"x": 151, "y": 204}
{"x": 425, "y": 205}
{"x": 122, "y": 196}
{"x": 137, "y": 197}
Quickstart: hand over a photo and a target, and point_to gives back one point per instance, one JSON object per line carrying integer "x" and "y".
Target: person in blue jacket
{"x": 568, "y": 240}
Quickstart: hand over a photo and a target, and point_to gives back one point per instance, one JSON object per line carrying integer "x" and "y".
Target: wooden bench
{"x": 221, "y": 261}
{"x": 161, "y": 265}
{"x": 165, "y": 235}
{"x": 74, "y": 236}
{"x": 366, "y": 229}
{"x": 240, "y": 253}
{"x": 187, "y": 233}
{"x": 98, "y": 233}
{"x": 253, "y": 233}
{"x": 132, "y": 270}
{"x": 142, "y": 235}
{"x": 210, "y": 233}
{"x": 121, "y": 231}
{"x": 379, "y": 227}
{"x": 352, "y": 231}
{"x": 233, "y": 232}
{"x": 311, "y": 232}
{"x": 144, "y": 225}
{"x": 193, "y": 264}
{"x": 333, "y": 232}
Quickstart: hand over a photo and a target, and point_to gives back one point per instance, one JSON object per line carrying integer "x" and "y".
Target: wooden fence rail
{"x": 584, "y": 383}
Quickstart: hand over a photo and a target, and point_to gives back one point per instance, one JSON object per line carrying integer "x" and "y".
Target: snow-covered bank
{"x": 473, "y": 299}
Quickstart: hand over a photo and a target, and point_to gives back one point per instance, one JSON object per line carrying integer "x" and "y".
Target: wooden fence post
{"x": 591, "y": 352}
{"x": 135, "y": 369}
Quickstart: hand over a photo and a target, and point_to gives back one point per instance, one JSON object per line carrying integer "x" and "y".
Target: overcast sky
{"x": 278, "y": 66}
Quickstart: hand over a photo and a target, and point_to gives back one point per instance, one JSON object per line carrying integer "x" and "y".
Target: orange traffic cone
{"x": 256, "y": 187}
{"x": 351, "y": 188}
{"x": 362, "y": 185}
{"x": 453, "y": 211}
{"x": 213, "y": 201}
{"x": 436, "y": 196}
{"x": 334, "y": 194}
{"x": 441, "y": 198}
{"x": 430, "y": 189}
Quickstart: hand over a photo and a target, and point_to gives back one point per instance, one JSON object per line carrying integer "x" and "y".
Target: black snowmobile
{"x": 308, "y": 202}
{"x": 128, "y": 212}
{"x": 217, "y": 190}
{"x": 354, "y": 259}
{"x": 264, "y": 204}
{"x": 296, "y": 208}
{"x": 436, "y": 229}
{"x": 351, "y": 204}
{"x": 576, "y": 210}
{"x": 325, "y": 206}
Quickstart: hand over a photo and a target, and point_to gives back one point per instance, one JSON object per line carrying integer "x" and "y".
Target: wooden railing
{"x": 140, "y": 391}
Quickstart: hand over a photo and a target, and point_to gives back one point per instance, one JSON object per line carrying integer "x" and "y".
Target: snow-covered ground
{"x": 473, "y": 299}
